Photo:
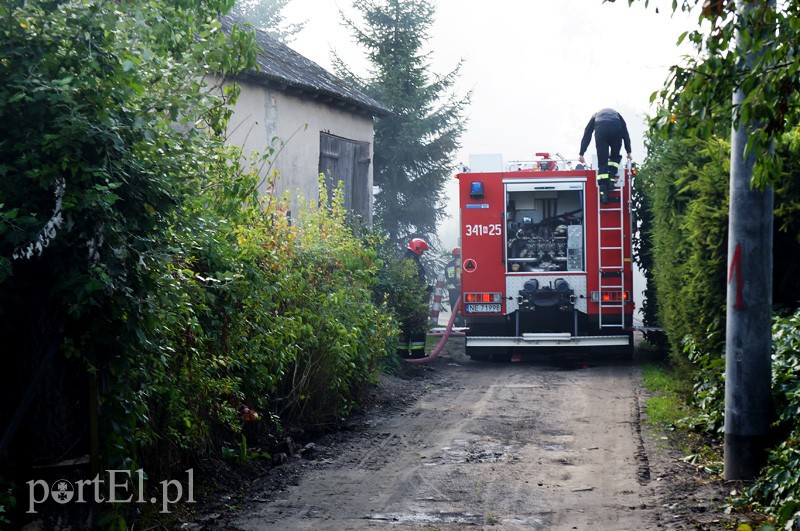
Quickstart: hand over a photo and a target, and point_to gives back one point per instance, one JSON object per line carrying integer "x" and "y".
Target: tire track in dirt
{"x": 512, "y": 446}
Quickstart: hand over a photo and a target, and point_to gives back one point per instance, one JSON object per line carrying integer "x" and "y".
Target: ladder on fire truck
{"x": 611, "y": 256}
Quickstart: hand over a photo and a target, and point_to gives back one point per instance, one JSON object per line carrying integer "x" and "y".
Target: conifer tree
{"x": 266, "y": 15}
{"x": 414, "y": 145}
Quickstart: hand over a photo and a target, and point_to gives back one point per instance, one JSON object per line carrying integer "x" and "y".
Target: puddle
{"x": 476, "y": 452}
{"x": 429, "y": 518}
{"x": 528, "y": 521}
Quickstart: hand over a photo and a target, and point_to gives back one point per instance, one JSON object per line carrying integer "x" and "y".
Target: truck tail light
{"x": 610, "y": 296}
{"x": 483, "y": 297}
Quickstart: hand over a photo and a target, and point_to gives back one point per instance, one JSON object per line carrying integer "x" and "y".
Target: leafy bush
{"x": 351, "y": 335}
{"x": 777, "y": 490}
{"x": 133, "y": 245}
{"x": 263, "y": 318}
{"x": 708, "y": 375}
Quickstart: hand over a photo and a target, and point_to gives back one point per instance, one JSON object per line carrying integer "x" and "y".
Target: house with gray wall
{"x": 317, "y": 123}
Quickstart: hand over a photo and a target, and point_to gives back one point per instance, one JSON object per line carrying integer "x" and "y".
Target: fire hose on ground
{"x": 442, "y": 341}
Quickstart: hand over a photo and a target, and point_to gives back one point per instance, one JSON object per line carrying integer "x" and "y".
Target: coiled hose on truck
{"x": 435, "y": 352}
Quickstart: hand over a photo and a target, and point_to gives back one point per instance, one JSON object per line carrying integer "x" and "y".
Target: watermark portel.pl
{"x": 118, "y": 488}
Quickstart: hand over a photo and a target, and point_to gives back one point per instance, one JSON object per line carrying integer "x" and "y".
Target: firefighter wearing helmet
{"x": 452, "y": 276}
{"x": 414, "y": 251}
{"x": 414, "y": 327}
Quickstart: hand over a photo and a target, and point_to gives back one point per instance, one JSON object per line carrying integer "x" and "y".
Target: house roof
{"x": 280, "y": 66}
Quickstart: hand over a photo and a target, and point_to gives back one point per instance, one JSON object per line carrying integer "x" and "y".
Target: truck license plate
{"x": 483, "y": 308}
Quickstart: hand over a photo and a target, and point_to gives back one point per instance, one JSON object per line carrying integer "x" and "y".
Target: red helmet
{"x": 418, "y": 245}
{"x": 456, "y": 251}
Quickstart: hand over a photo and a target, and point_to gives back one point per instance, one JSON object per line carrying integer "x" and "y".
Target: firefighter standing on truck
{"x": 413, "y": 328}
{"x": 452, "y": 276}
{"x": 610, "y": 131}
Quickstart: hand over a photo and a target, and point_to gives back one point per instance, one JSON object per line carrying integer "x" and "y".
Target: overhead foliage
{"x": 770, "y": 85}
{"x": 414, "y": 145}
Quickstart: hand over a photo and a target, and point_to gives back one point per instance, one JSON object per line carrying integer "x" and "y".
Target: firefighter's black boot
{"x": 403, "y": 344}
{"x": 606, "y": 187}
{"x": 602, "y": 185}
{"x": 417, "y": 346}
{"x": 402, "y": 350}
{"x": 612, "y": 188}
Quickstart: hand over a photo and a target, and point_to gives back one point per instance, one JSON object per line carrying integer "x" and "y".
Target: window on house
{"x": 345, "y": 160}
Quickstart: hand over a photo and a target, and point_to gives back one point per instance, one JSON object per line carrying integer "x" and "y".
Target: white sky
{"x": 538, "y": 69}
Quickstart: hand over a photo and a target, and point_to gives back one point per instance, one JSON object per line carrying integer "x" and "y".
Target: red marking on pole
{"x": 736, "y": 264}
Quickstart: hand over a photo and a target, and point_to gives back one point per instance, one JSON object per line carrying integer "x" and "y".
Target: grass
{"x": 667, "y": 403}
{"x": 668, "y": 392}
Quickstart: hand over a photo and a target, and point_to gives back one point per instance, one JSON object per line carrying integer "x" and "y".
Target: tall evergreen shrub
{"x": 689, "y": 187}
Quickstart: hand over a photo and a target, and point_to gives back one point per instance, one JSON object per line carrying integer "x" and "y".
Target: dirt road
{"x": 541, "y": 445}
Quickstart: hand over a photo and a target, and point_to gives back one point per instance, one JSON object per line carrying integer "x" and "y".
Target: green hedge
{"x": 687, "y": 183}
{"x": 685, "y": 186}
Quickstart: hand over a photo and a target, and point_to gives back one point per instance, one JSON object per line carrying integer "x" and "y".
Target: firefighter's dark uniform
{"x": 610, "y": 131}
{"x": 412, "y": 344}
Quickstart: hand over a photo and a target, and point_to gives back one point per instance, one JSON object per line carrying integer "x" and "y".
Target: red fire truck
{"x": 545, "y": 264}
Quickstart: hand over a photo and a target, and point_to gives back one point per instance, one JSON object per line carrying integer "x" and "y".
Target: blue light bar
{"x": 476, "y": 190}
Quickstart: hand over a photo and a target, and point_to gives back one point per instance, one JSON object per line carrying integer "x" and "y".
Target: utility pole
{"x": 749, "y": 303}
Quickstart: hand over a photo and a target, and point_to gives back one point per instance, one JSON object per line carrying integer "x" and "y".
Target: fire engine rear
{"x": 545, "y": 263}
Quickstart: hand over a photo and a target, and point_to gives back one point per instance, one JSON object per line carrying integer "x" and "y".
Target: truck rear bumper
{"x": 548, "y": 340}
